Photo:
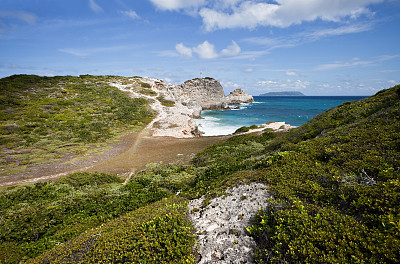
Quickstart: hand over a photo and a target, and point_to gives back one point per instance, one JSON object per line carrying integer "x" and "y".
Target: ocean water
{"x": 295, "y": 111}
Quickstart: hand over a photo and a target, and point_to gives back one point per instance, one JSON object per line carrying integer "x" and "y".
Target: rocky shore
{"x": 188, "y": 100}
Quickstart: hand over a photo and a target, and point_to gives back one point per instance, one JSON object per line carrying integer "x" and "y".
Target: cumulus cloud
{"x": 231, "y": 50}
{"x": 183, "y": 50}
{"x": 281, "y": 13}
{"x": 177, "y": 4}
{"x": 95, "y": 7}
{"x": 206, "y": 50}
{"x": 131, "y": 14}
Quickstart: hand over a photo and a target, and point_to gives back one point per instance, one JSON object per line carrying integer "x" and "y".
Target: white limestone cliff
{"x": 190, "y": 98}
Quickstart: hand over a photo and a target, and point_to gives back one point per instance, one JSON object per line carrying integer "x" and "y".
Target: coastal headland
{"x": 171, "y": 136}
{"x": 333, "y": 180}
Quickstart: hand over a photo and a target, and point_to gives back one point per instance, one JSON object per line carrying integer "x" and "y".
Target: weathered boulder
{"x": 207, "y": 92}
{"x": 239, "y": 96}
{"x": 196, "y": 107}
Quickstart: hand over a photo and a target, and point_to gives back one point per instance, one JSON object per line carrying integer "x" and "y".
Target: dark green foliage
{"x": 303, "y": 233}
{"x": 80, "y": 179}
{"x": 145, "y": 85}
{"x": 335, "y": 181}
{"x": 165, "y": 102}
{"x": 242, "y": 129}
{"x": 148, "y": 92}
{"x": 157, "y": 233}
{"x": 38, "y": 217}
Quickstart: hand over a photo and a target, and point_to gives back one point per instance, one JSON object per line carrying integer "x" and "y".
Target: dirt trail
{"x": 131, "y": 154}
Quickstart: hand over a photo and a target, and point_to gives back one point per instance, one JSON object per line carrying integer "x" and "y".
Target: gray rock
{"x": 221, "y": 226}
{"x": 195, "y": 106}
{"x": 239, "y": 96}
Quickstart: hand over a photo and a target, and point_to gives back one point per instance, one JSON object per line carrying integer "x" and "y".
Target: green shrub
{"x": 38, "y": 217}
{"x": 157, "y": 233}
{"x": 58, "y": 115}
{"x": 165, "y": 102}
{"x": 148, "y": 92}
{"x": 80, "y": 179}
{"x": 145, "y": 85}
{"x": 242, "y": 129}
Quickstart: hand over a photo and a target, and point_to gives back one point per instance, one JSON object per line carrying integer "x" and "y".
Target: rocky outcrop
{"x": 190, "y": 98}
{"x": 174, "y": 121}
{"x": 203, "y": 94}
{"x": 206, "y": 93}
{"x": 239, "y": 96}
{"x": 221, "y": 226}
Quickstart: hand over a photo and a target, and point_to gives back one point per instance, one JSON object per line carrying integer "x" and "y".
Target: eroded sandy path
{"x": 132, "y": 153}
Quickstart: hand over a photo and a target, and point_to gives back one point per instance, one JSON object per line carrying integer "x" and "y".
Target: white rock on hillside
{"x": 221, "y": 226}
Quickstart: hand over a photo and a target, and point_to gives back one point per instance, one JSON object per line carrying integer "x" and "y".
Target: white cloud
{"x": 343, "y": 64}
{"x": 95, "y": 7}
{"x": 248, "y": 70}
{"x": 282, "y": 13}
{"x": 206, "y": 50}
{"x": 356, "y": 62}
{"x": 83, "y": 53}
{"x": 284, "y": 85}
{"x": 230, "y": 85}
{"x": 177, "y": 4}
{"x": 348, "y": 29}
{"x": 131, "y": 14}
{"x": 231, "y": 50}
{"x": 291, "y": 73}
{"x": 306, "y": 37}
{"x": 183, "y": 50}
{"x": 26, "y": 17}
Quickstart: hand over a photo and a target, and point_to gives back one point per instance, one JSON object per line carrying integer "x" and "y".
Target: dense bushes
{"x": 35, "y": 218}
{"x": 157, "y": 233}
{"x": 335, "y": 183}
{"x": 80, "y": 179}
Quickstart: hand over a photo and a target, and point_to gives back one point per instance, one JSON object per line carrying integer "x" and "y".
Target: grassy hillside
{"x": 335, "y": 182}
{"x": 43, "y": 119}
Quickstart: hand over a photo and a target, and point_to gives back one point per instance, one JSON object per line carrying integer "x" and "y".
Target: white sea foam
{"x": 211, "y": 127}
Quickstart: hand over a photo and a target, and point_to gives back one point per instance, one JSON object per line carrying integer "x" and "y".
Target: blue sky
{"x": 318, "y": 47}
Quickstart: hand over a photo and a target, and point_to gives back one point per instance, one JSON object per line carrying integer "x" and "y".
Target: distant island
{"x": 284, "y": 93}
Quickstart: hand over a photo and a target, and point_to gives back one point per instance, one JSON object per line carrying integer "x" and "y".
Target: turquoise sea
{"x": 295, "y": 111}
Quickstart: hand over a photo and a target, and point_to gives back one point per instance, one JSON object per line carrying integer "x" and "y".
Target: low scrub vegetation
{"x": 43, "y": 119}
{"x": 165, "y": 102}
{"x": 335, "y": 185}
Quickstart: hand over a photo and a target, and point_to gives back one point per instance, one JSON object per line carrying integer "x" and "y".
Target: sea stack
{"x": 203, "y": 94}
{"x": 239, "y": 96}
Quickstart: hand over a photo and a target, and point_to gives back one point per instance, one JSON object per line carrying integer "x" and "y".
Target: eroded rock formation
{"x": 239, "y": 96}
{"x": 203, "y": 94}
{"x": 190, "y": 99}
